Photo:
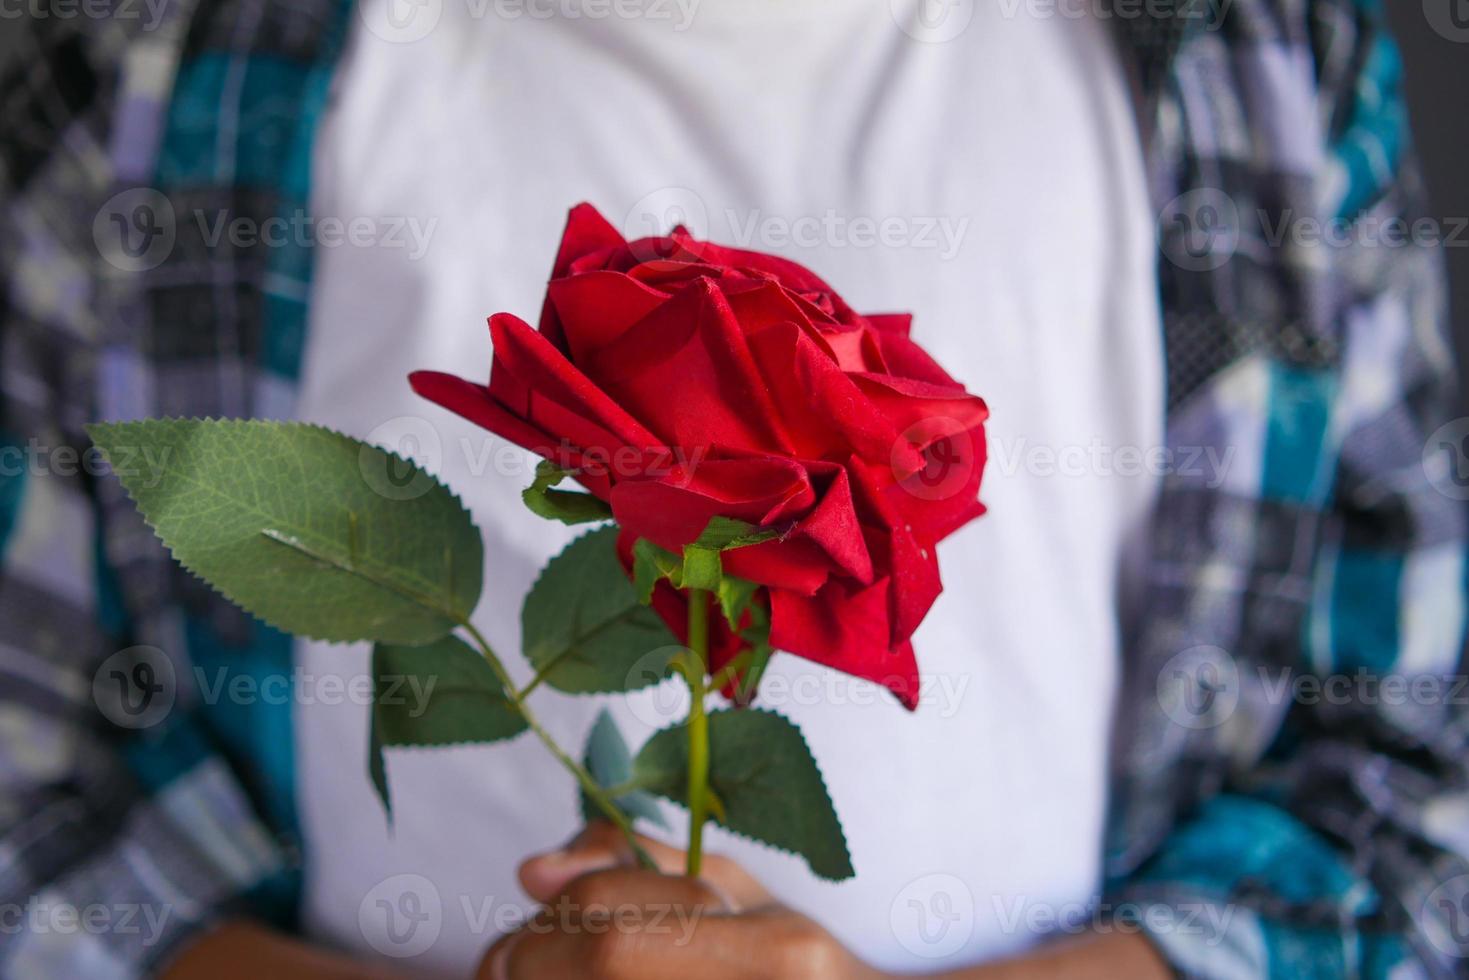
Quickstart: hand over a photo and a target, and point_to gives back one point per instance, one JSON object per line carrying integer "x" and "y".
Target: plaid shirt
{"x": 1291, "y": 786}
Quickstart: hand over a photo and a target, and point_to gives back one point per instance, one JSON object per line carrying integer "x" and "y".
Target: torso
{"x": 1019, "y": 236}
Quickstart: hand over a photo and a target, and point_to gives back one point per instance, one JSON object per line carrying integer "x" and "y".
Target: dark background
{"x": 1437, "y": 63}
{"x": 1438, "y": 100}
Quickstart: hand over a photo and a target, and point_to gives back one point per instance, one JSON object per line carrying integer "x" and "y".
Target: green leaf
{"x": 700, "y": 565}
{"x": 702, "y": 568}
{"x": 724, "y": 533}
{"x": 762, "y": 771}
{"x": 584, "y": 629}
{"x": 610, "y": 764}
{"x": 651, "y": 563}
{"x": 377, "y": 767}
{"x": 566, "y": 506}
{"x": 757, "y": 635}
{"x": 443, "y": 693}
{"x": 313, "y": 532}
{"x": 749, "y": 682}
{"x": 735, "y": 596}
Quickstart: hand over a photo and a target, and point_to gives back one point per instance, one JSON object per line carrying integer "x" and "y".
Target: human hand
{"x": 603, "y": 918}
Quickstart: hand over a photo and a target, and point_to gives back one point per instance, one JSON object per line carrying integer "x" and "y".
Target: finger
{"x": 599, "y": 846}
{"x": 544, "y": 876}
{"x": 497, "y": 960}
{"x": 628, "y": 892}
{"x": 610, "y": 953}
{"x": 630, "y": 943}
{"x": 622, "y": 922}
{"x": 549, "y": 947}
{"x": 570, "y": 955}
{"x": 742, "y": 892}
{"x": 601, "y": 834}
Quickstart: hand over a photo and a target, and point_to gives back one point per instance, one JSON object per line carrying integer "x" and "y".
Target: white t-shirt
{"x": 987, "y": 179}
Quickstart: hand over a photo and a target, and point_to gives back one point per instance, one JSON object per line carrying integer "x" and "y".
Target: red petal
{"x": 474, "y": 402}
{"x": 595, "y": 308}
{"x": 671, "y": 511}
{"x": 796, "y": 565}
{"x": 892, "y": 323}
{"x": 900, "y": 547}
{"x": 536, "y": 382}
{"x": 849, "y": 348}
{"x": 846, "y": 628}
{"x": 791, "y": 275}
{"x": 905, "y": 359}
{"x": 833, "y": 525}
{"x": 686, "y": 369}
{"x": 825, "y": 414}
{"x": 587, "y": 232}
{"x": 941, "y": 497}
{"x": 760, "y": 303}
{"x": 907, "y": 401}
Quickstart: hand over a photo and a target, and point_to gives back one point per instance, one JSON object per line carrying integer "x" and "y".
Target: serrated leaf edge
{"x": 820, "y": 777}
{"x": 605, "y": 528}
{"x": 274, "y": 423}
{"x": 435, "y": 746}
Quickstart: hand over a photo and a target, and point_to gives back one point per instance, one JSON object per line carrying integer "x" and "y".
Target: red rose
{"x": 681, "y": 380}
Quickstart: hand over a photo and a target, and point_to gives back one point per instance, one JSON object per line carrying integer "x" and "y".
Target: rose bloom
{"x": 680, "y": 381}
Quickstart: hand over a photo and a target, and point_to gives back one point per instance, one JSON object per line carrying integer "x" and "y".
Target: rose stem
{"x": 590, "y": 786}
{"x": 698, "y": 728}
